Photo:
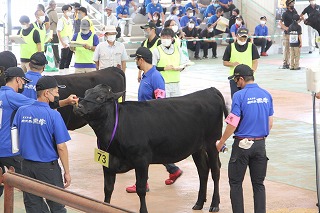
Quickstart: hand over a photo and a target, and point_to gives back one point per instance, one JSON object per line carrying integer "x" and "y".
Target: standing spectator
{"x": 250, "y": 120}
{"x": 122, "y": 12}
{"x": 295, "y": 41}
{"x": 240, "y": 52}
{"x": 155, "y": 7}
{"x": 64, "y": 32}
{"x": 83, "y": 15}
{"x": 194, "y": 6}
{"x": 44, "y": 146}
{"x": 110, "y": 53}
{"x": 227, "y": 5}
{"x": 39, "y": 24}
{"x": 182, "y": 10}
{"x": 286, "y": 21}
{"x": 207, "y": 44}
{"x": 186, "y": 18}
{"x": 174, "y": 16}
{"x": 262, "y": 30}
{"x": 235, "y": 12}
{"x": 53, "y": 20}
{"x": 84, "y": 55}
{"x": 33, "y": 42}
{"x": 211, "y": 9}
{"x": 46, "y": 18}
{"x": 191, "y": 33}
{"x": 214, "y": 20}
{"x": 312, "y": 8}
{"x": 76, "y": 19}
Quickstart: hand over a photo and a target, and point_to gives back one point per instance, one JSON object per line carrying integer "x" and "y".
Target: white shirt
{"x": 112, "y": 20}
{"x": 110, "y": 56}
{"x": 60, "y": 27}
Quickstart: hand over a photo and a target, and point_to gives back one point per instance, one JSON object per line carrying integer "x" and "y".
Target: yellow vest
{"x": 241, "y": 57}
{"x": 91, "y": 24}
{"x": 170, "y": 76}
{"x": 154, "y": 45}
{"x": 84, "y": 56}
{"x": 42, "y": 33}
{"x": 67, "y": 30}
{"x": 29, "y": 48}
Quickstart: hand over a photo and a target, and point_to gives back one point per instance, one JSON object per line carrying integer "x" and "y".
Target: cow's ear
{"x": 117, "y": 95}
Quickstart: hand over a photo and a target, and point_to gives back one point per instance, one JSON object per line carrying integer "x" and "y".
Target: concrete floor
{"x": 290, "y": 180}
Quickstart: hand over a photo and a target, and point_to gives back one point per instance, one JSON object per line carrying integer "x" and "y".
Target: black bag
{"x": 143, "y": 9}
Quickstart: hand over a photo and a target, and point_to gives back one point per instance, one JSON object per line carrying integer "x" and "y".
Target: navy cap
{"x": 39, "y": 59}
{"x": 143, "y": 52}
{"x": 241, "y": 70}
{"x": 48, "y": 82}
{"x": 16, "y": 72}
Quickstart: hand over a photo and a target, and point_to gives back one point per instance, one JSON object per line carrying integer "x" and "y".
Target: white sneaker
{"x": 129, "y": 35}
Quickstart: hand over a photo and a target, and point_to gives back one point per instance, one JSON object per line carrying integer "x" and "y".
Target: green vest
{"x": 84, "y": 56}
{"x": 29, "y": 48}
{"x": 241, "y": 57}
{"x": 170, "y": 76}
{"x": 67, "y": 30}
{"x": 42, "y": 33}
{"x": 154, "y": 45}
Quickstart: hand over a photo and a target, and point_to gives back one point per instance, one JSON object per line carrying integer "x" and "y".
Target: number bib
{"x": 293, "y": 39}
{"x": 101, "y": 157}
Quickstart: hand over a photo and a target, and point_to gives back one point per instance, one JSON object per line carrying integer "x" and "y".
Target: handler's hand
{"x": 67, "y": 180}
{"x": 219, "y": 145}
{"x": 169, "y": 67}
{"x": 72, "y": 99}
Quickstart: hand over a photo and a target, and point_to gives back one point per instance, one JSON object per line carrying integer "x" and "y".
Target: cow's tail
{"x": 224, "y": 106}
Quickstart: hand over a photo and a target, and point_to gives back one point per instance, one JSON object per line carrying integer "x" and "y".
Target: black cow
{"x": 314, "y": 21}
{"x": 157, "y": 132}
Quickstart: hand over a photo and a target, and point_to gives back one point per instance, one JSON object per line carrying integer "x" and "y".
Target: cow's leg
{"x": 141, "y": 182}
{"x": 215, "y": 165}
{"x": 109, "y": 180}
{"x": 201, "y": 161}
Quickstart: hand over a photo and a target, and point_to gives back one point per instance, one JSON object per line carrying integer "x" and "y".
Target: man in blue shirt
{"x": 43, "y": 136}
{"x": 262, "y": 30}
{"x": 211, "y": 9}
{"x": 154, "y": 6}
{"x": 152, "y": 86}
{"x": 214, "y": 20}
{"x": 250, "y": 120}
{"x": 122, "y": 13}
{"x": 194, "y": 6}
{"x": 182, "y": 10}
{"x": 186, "y": 18}
{"x": 227, "y": 5}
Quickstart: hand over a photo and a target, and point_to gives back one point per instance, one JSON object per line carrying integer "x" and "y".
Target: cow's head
{"x": 314, "y": 21}
{"x": 96, "y": 102}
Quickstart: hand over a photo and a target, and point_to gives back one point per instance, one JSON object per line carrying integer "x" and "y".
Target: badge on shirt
{"x": 318, "y": 39}
{"x": 101, "y": 157}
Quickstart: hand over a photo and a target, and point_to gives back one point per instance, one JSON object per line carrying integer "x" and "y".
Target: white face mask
{"x": 155, "y": 18}
{"x": 178, "y": 5}
{"x": 190, "y": 14}
{"x": 155, "y": 2}
{"x": 238, "y": 22}
{"x": 85, "y": 31}
{"x": 166, "y": 42}
{"x": 42, "y": 18}
{"x": 191, "y": 25}
{"x": 111, "y": 38}
{"x": 241, "y": 42}
{"x": 312, "y": 2}
{"x": 177, "y": 12}
{"x": 24, "y": 27}
{"x": 122, "y": 3}
{"x": 175, "y": 28}
{"x": 106, "y": 14}
{"x": 263, "y": 22}
{"x": 210, "y": 30}
{"x": 68, "y": 14}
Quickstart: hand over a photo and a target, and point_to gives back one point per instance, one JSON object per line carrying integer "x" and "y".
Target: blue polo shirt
{"x": 185, "y": 19}
{"x": 225, "y": 1}
{"x": 210, "y": 9}
{"x": 261, "y": 30}
{"x": 30, "y": 88}
{"x": 40, "y": 130}
{"x": 9, "y": 102}
{"x": 182, "y": 11}
{"x": 235, "y": 29}
{"x": 212, "y": 19}
{"x": 150, "y": 81}
{"x": 193, "y": 7}
{"x": 123, "y": 10}
{"x": 146, "y": 2}
{"x": 253, "y": 105}
{"x": 95, "y": 43}
{"x": 151, "y": 8}
{"x": 128, "y": 2}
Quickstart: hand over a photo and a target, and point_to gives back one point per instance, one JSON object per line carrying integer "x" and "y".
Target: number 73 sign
{"x": 101, "y": 157}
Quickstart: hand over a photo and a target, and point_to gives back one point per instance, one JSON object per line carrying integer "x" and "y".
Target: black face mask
{"x": 20, "y": 90}
{"x": 55, "y": 103}
{"x": 291, "y": 7}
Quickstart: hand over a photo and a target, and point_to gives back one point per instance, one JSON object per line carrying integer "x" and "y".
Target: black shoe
{"x": 285, "y": 66}
{"x": 298, "y": 68}
{"x": 291, "y": 68}
{"x": 197, "y": 58}
{"x": 310, "y": 52}
{"x": 205, "y": 57}
{"x": 214, "y": 56}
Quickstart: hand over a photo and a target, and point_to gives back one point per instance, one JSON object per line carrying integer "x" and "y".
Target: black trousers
{"x": 263, "y": 43}
{"x": 194, "y": 46}
{"x": 14, "y": 161}
{"x": 55, "y": 41}
{"x": 207, "y": 45}
{"x": 256, "y": 158}
{"x": 233, "y": 87}
{"x": 231, "y": 7}
{"x": 171, "y": 168}
{"x": 46, "y": 172}
{"x": 66, "y": 55}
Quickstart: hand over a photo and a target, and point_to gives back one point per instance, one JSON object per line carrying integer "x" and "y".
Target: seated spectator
{"x": 174, "y": 16}
{"x": 155, "y": 7}
{"x": 194, "y": 6}
{"x": 122, "y": 13}
{"x": 262, "y": 30}
{"x": 133, "y": 8}
{"x": 111, "y": 20}
{"x": 203, "y": 5}
{"x": 227, "y": 5}
{"x": 178, "y": 32}
{"x": 186, "y": 18}
{"x": 156, "y": 19}
{"x": 182, "y": 10}
{"x": 234, "y": 28}
{"x": 208, "y": 32}
{"x": 211, "y": 9}
{"x": 214, "y": 20}
{"x": 233, "y": 17}
{"x": 191, "y": 33}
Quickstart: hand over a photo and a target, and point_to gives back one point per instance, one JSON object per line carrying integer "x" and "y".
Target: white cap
{"x": 109, "y": 29}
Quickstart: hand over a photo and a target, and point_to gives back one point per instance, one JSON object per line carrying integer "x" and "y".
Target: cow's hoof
{"x": 213, "y": 209}
{"x": 197, "y": 207}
